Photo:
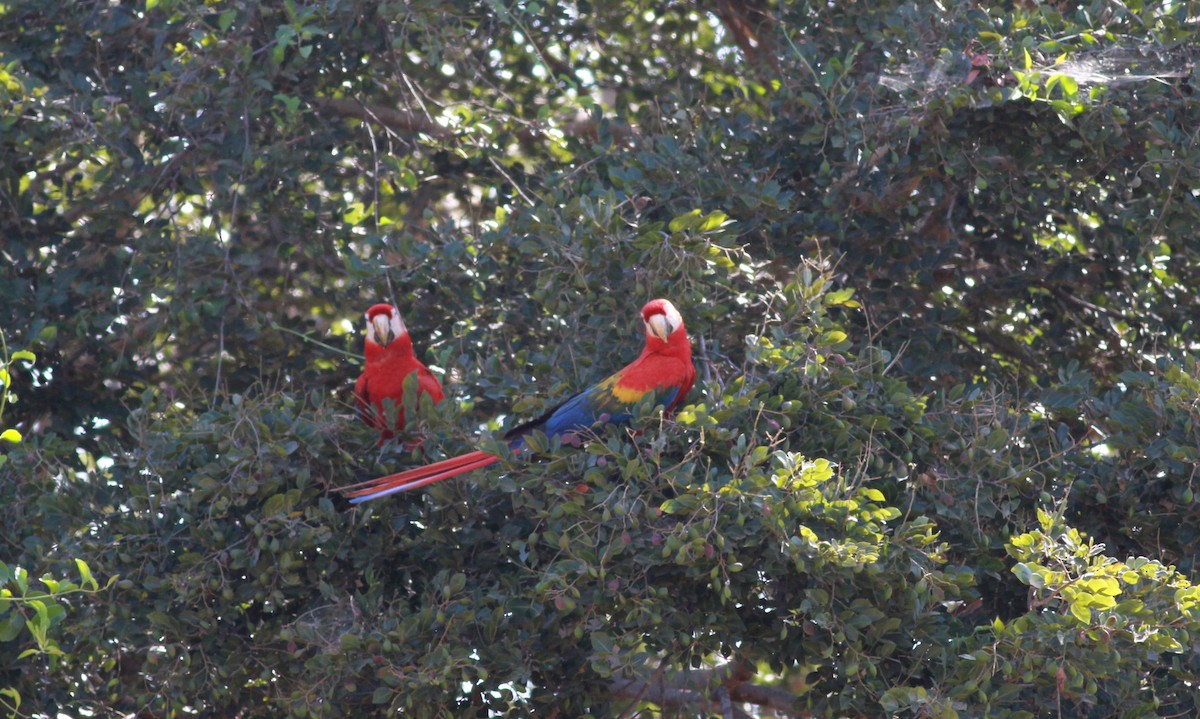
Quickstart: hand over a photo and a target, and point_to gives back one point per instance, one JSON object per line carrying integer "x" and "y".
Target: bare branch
{"x": 401, "y": 121}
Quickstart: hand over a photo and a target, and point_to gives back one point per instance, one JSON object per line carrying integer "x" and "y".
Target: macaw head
{"x": 661, "y": 319}
{"x": 384, "y": 325}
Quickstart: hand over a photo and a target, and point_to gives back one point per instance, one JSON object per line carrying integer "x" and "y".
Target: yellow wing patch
{"x": 625, "y": 395}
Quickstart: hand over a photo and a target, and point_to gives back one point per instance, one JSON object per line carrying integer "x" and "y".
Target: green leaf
{"x": 14, "y": 702}
{"x": 832, "y": 338}
{"x": 873, "y": 494}
{"x": 1069, "y": 86}
{"x": 24, "y": 355}
{"x": 11, "y": 626}
{"x": 85, "y": 574}
{"x": 276, "y": 504}
{"x": 39, "y": 623}
{"x": 687, "y": 221}
{"x": 840, "y": 297}
{"x": 816, "y": 472}
{"x": 11, "y": 435}
{"x": 161, "y": 619}
{"x": 602, "y": 642}
{"x": 713, "y": 220}
{"x": 1027, "y": 575}
{"x": 997, "y": 439}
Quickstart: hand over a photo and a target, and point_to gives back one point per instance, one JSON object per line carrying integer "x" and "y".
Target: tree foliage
{"x": 937, "y": 261}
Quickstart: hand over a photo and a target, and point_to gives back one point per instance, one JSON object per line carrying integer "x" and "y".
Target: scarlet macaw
{"x": 664, "y": 372}
{"x": 390, "y": 361}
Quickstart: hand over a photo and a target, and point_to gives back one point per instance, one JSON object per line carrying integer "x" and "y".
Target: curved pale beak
{"x": 660, "y": 326}
{"x": 381, "y": 327}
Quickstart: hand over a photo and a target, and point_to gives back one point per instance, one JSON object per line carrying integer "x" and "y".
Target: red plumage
{"x": 663, "y": 372}
{"x": 390, "y": 361}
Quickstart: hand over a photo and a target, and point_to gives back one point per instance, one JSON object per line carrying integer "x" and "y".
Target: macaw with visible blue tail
{"x": 664, "y": 372}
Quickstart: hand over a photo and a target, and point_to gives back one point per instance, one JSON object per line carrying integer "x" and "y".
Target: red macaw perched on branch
{"x": 664, "y": 372}
{"x": 390, "y": 361}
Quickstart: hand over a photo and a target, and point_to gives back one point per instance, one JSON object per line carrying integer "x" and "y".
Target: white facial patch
{"x": 663, "y": 325}
{"x": 384, "y": 328}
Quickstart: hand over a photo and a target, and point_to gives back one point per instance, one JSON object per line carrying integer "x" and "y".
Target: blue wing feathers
{"x": 579, "y": 412}
{"x": 667, "y": 398}
{"x": 586, "y": 409}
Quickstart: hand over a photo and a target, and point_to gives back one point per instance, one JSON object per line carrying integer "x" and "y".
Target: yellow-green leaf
{"x": 14, "y": 699}
{"x": 839, "y": 297}
{"x": 685, "y": 222}
{"x": 713, "y": 220}
{"x": 11, "y": 435}
{"x": 85, "y": 574}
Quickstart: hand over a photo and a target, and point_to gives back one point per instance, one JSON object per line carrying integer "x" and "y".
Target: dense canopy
{"x": 938, "y": 261}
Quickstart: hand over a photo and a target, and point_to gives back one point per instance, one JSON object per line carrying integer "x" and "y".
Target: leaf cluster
{"x": 937, "y": 263}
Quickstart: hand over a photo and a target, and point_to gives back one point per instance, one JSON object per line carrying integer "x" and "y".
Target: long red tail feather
{"x": 417, "y": 472}
{"x": 418, "y": 476}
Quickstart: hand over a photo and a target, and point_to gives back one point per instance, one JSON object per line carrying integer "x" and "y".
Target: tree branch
{"x": 752, "y": 28}
{"x": 401, "y": 121}
{"x": 714, "y": 690}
